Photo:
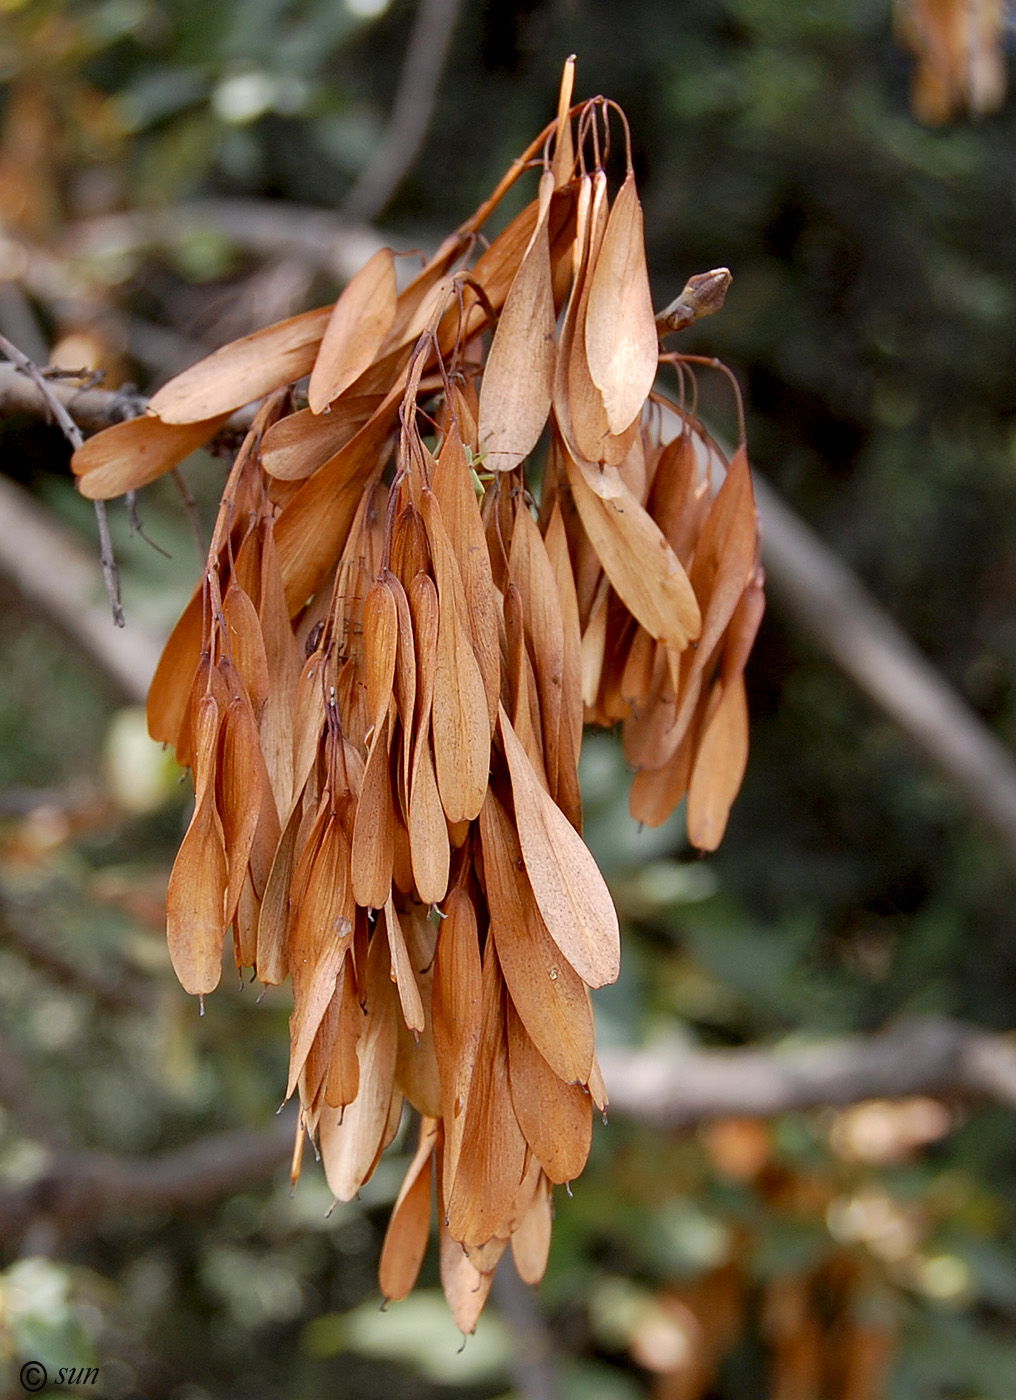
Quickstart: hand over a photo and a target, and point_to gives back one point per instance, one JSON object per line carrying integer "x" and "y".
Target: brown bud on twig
{"x": 703, "y": 294}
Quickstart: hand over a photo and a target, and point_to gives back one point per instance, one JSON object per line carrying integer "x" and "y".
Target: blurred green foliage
{"x": 870, "y": 323}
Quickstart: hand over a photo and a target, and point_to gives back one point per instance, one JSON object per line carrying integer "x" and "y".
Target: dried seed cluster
{"x": 382, "y": 681}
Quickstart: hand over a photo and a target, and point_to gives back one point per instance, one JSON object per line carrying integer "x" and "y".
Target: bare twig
{"x": 74, "y": 436}
{"x": 64, "y": 421}
{"x": 812, "y": 586}
{"x": 425, "y": 58}
{"x": 190, "y": 509}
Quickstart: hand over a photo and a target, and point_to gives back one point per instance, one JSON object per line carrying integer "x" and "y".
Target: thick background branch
{"x": 78, "y": 1189}
{"x": 676, "y": 1088}
{"x": 815, "y": 589}
{"x": 668, "y": 1088}
{"x": 330, "y": 242}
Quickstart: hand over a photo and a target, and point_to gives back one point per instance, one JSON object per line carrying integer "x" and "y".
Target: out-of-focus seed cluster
{"x": 382, "y": 681}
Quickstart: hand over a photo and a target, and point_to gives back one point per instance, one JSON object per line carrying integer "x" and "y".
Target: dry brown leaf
{"x": 639, "y": 669}
{"x": 240, "y": 782}
{"x": 410, "y": 553}
{"x": 195, "y": 899}
{"x": 531, "y": 1241}
{"x": 245, "y": 924}
{"x": 322, "y": 934}
{"x": 245, "y": 646}
{"x": 402, "y": 864}
{"x": 518, "y": 380}
{"x": 424, "y": 609}
{"x": 127, "y": 456}
{"x": 520, "y": 683}
{"x": 428, "y": 834}
{"x": 343, "y": 1082}
{"x": 402, "y": 970}
{"x": 720, "y": 762}
{"x": 408, "y": 325}
{"x": 743, "y": 628}
{"x": 547, "y": 992}
{"x": 359, "y": 323}
{"x": 497, "y": 265}
{"x": 453, "y": 486}
{"x": 417, "y": 1072}
{"x": 597, "y": 1088}
{"x": 430, "y": 853}
{"x": 620, "y": 325}
{"x": 380, "y": 644}
{"x": 493, "y": 1151}
{"x": 409, "y": 1227}
{"x": 578, "y": 403}
{"x": 244, "y": 370}
{"x": 315, "y": 524}
{"x": 316, "y": 1067}
{"x": 569, "y": 889}
{"x": 309, "y": 714}
{"x": 170, "y": 691}
{"x": 284, "y": 667}
{"x": 404, "y": 679}
{"x": 564, "y": 149}
{"x": 373, "y": 828}
{"x": 486, "y": 1257}
{"x": 556, "y": 1118}
{"x": 459, "y": 714}
{"x": 267, "y": 835}
{"x": 465, "y": 1288}
{"x": 273, "y": 920}
{"x": 655, "y": 792}
{"x": 350, "y": 1145}
{"x": 594, "y": 650}
{"x": 456, "y": 1015}
{"x": 678, "y": 500}
{"x": 533, "y": 573}
{"x": 637, "y": 559}
{"x": 295, "y": 446}
{"x": 556, "y": 543}
{"x": 724, "y": 561}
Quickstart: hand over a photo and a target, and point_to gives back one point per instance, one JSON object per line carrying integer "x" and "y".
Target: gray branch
{"x": 331, "y": 242}
{"x": 77, "y": 1190}
{"x": 816, "y": 590}
{"x": 678, "y": 1088}
{"x": 669, "y": 1089}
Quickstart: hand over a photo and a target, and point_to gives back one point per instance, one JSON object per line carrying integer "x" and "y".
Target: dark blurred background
{"x": 150, "y": 158}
